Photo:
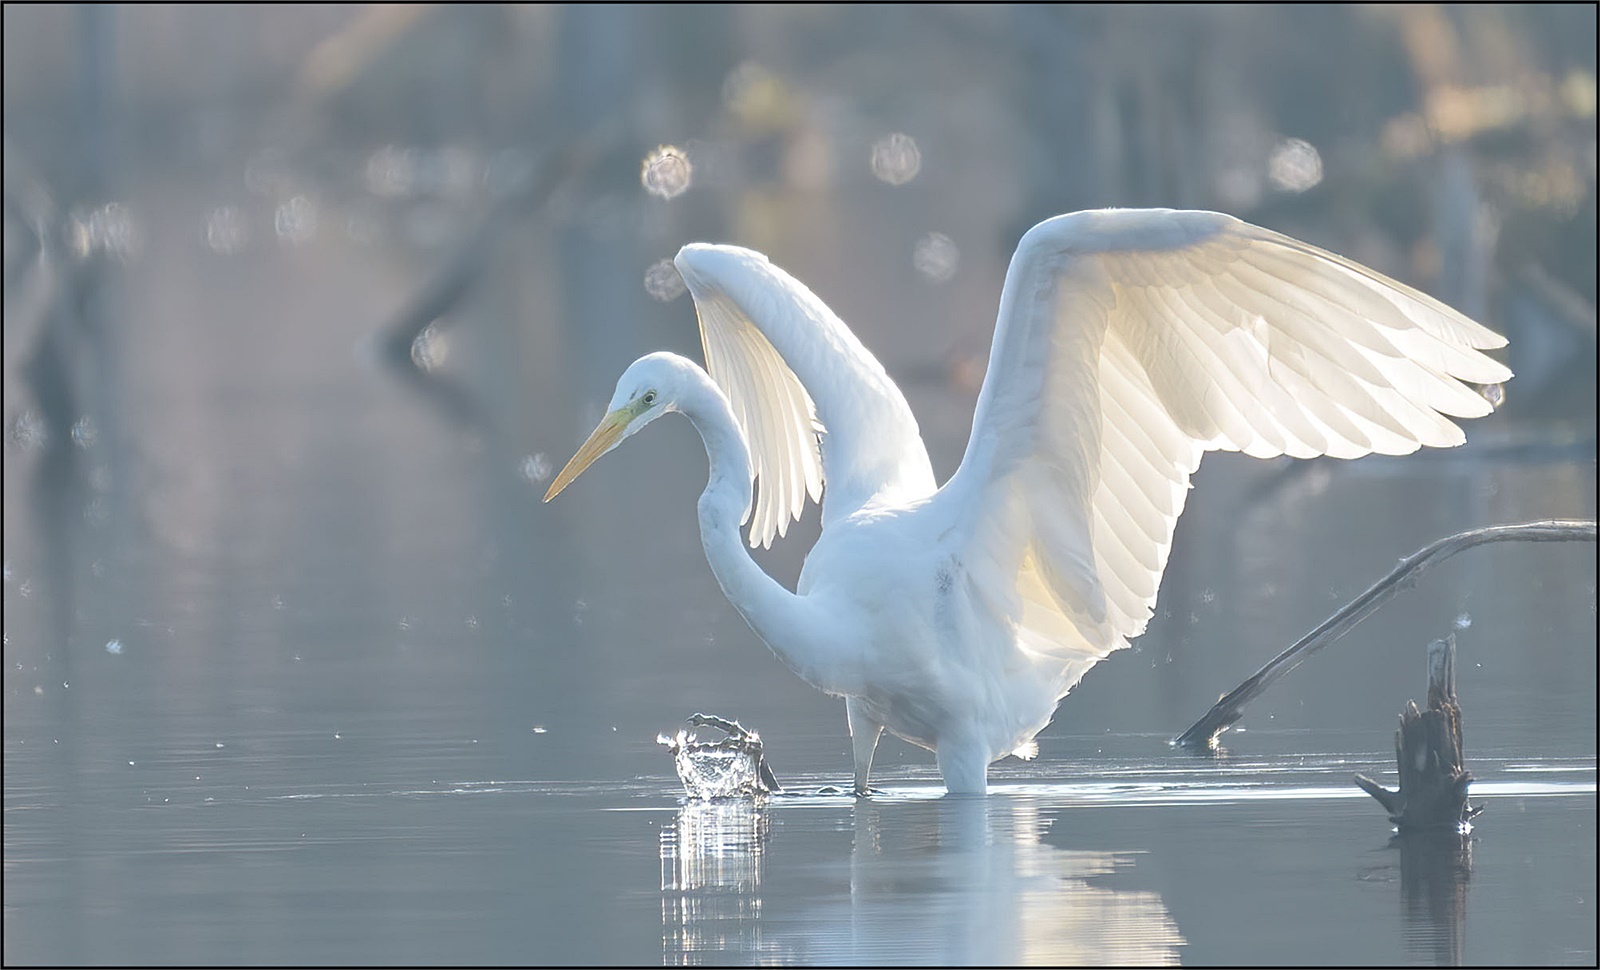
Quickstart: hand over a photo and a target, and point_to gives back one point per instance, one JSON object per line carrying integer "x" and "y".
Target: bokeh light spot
{"x": 663, "y": 282}
{"x": 753, "y": 95}
{"x": 84, "y": 433}
{"x": 295, "y": 221}
{"x": 227, "y": 230}
{"x": 666, "y": 172}
{"x": 536, "y": 468}
{"x": 430, "y": 349}
{"x": 108, "y": 229}
{"x": 1295, "y": 165}
{"x": 896, "y": 158}
{"x": 936, "y": 257}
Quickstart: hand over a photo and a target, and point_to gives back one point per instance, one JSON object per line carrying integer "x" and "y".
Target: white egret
{"x": 1129, "y": 343}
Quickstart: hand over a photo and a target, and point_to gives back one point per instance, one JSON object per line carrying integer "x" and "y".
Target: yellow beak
{"x": 602, "y": 440}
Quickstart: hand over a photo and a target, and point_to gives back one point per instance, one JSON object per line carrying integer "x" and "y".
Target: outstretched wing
{"x": 816, "y": 408}
{"x": 1129, "y": 343}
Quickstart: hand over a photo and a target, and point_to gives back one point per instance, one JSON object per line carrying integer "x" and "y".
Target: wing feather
{"x": 816, "y": 407}
{"x": 1130, "y": 342}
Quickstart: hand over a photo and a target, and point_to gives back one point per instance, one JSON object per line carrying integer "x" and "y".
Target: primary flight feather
{"x": 1129, "y": 342}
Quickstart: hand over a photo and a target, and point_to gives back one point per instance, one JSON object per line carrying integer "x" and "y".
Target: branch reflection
{"x": 1435, "y": 868}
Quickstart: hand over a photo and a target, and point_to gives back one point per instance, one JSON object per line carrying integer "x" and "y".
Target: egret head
{"x": 649, "y": 388}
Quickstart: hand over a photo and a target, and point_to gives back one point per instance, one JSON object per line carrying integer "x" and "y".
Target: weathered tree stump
{"x": 1433, "y": 783}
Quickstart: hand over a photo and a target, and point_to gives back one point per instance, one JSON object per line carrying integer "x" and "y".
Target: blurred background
{"x": 304, "y": 305}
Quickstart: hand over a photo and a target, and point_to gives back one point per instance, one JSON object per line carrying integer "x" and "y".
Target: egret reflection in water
{"x": 946, "y": 880}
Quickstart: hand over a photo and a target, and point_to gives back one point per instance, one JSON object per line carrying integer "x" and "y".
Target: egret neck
{"x": 785, "y": 621}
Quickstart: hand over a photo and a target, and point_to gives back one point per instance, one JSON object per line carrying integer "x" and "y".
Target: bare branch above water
{"x": 1202, "y": 735}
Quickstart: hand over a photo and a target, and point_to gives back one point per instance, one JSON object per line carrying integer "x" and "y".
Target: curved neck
{"x": 781, "y": 618}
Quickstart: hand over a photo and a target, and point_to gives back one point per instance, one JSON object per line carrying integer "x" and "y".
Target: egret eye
{"x": 649, "y": 398}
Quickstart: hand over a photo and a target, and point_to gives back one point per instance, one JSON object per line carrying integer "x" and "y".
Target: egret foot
{"x": 864, "y": 734}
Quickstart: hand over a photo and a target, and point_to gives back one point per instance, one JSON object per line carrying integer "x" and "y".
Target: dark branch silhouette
{"x": 1202, "y": 735}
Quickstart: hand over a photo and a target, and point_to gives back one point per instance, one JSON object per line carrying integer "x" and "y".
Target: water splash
{"x": 732, "y": 767}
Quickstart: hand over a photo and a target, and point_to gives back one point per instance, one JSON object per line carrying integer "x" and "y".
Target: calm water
{"x": 297, "y": 669}
{"x": 1148, "y": 859}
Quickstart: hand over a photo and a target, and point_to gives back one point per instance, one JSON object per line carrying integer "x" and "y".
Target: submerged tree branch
{"x": 1202, "y": 735}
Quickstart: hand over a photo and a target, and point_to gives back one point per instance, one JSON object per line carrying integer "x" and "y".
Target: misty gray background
{"x": 304, "y": 305}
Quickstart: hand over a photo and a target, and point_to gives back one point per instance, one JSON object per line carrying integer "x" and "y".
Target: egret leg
{"x": 965, "y": 767}
{"x": 864, "y": 735}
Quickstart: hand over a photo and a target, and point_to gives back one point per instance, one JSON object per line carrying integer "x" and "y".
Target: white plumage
{"x": 1129, "y": 342}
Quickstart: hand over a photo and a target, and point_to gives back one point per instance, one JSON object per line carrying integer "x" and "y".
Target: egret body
{"x": 1129, "y": 343}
